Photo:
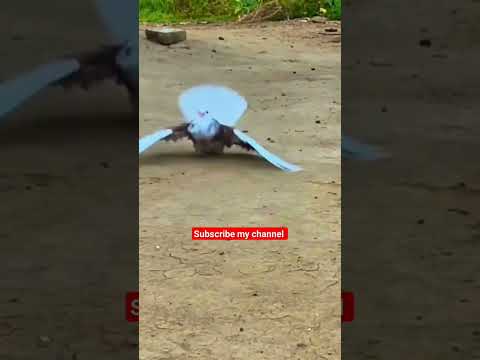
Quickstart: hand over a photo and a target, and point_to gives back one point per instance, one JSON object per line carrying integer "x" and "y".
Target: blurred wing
{"x": 120, "y": 18}
{"x": 273, "y": 159}
{"x": 150, "y": 140}
{"x": 223, "y": 104}
{"x": 352, "y": 149}
{"x": 16, "y": 91}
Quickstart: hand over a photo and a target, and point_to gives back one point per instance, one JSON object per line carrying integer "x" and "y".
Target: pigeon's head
{"x": 203, "y": 124}
{"x": 204, "y": 116}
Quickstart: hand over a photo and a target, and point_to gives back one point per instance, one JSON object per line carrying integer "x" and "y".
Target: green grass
{"x": 332, "y": 9}
{"x": 174, "y": 11}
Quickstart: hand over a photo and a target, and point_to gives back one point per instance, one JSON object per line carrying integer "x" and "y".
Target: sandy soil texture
{"x": 243, "y": 300}
{"x": 66, "y": 183}
{"x": 411, "y": 226}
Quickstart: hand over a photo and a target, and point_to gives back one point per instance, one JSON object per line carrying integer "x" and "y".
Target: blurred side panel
{"x": 68, "y": 181}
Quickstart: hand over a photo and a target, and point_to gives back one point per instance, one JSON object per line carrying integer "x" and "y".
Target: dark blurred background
{"x": 69, "y": 197}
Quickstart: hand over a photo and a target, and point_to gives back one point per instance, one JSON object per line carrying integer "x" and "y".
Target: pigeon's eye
{"x": 206, "y": 112}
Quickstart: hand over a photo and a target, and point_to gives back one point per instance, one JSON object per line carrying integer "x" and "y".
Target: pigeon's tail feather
{"x": 16, "y": 91}
{"x": 119, "y": 18}
{"x": 149, "y": 140}
{"x": 273, "y": 159}
{"x": 352, "y": 149}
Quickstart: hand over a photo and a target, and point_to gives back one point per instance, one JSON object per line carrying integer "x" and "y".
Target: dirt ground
{"x": 241, "y": 300}
{"x": 410, "y": 230}
{"x": 68, "y": 175}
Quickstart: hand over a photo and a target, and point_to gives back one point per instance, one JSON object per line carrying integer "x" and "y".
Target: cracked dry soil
{"x": 243, "y": 300}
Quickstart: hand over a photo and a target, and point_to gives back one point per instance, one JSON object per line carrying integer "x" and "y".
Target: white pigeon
{"x": 118, "y": 61}
{"x": 210, "y": 113}
{"x": 355, "y": 150}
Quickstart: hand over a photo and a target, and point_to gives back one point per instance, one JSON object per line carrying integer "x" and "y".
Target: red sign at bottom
{"x": 132, "y": 306}
{"x": 348, "y": 307}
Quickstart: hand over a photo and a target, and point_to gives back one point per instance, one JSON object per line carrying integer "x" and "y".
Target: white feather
{"x": 273, "y": 159}
{"x": 353, "y": 149}
{"x": 150, "y": 140}
{"x": 16, "y": 91}
{"x": 223, "y": 104}
{"x": 120, "y": 18}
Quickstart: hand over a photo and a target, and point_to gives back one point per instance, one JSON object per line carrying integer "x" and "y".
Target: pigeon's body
{"x": 118, "y": 62}
{"x": 210, "y": 113}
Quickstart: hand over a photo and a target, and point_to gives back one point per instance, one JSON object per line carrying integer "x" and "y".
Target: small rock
{"x": 44, "y": 341}
{"x": 459, "y": 211}
{"x": 166, "y": 36}
{"x": 17, "y": 37}
{"x": 425, "y": 43}
{"x": 318, "y": 20}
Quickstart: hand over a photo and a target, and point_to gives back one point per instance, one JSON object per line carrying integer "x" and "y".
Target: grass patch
{"x": 174, "y": 11}
{"x": 332, "y": 9}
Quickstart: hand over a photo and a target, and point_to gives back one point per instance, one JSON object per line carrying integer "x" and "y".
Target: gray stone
{"x": 166, "y": 36}
{"x": 319, "y": 19}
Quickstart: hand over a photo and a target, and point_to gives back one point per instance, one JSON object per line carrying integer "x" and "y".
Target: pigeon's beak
{"x": 201, "y": 114}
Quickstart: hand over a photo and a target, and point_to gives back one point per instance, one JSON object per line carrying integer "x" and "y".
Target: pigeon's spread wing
{"x": 273, "y": 159}
{"x": 120, "y": 18}
{"x": 16, "y": 91}
{"x": 223, "y": 104}
{"x": 175, "y": 133}
{"x": 150, "y": 140}
{"x": 352, "y": 149}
